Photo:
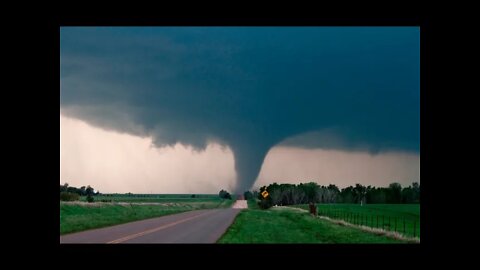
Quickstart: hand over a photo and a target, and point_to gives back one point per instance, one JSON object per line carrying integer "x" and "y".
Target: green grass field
{"x": 79, "y": 217}
{"x": 160, "y": 198}
{"x": 387, "y": 215}
{"x": 283, "y": 225}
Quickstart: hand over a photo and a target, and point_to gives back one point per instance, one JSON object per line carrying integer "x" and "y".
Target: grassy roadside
{"x": 80, "y": 217}
{"x": 280, "y": 225}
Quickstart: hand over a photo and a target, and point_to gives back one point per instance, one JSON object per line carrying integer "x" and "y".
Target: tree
{"x": 224, "y": 194}
{"x": 359, "y": 192}
{"x": 298, "y": 195}
{"x": 311, "y": 191}
{"x": 321, "y": 192}
{"x": 416, "y": 192}
{"x": 72, "y": 190}
{"x": 89, "y": 192}
{"x": 288, "y": 194}
{"x": 378, "y": 195}
{"x": 411, "y": 194}
{"x": 347, "y": 195}
{"x": 330, "y": 193}
{"x": 407, "y": 195}
{"x": 287, "y": 190}
{"x": 394, "y": 194}
{"x": 83, "y": 191}
{"x": 64, "y": 188}
{"x": 369, "y": 194}
{"x": 277, "y": 196}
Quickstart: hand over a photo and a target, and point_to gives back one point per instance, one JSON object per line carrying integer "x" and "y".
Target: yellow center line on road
{"x": 128, "y": 237}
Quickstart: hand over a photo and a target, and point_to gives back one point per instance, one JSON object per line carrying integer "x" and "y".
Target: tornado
{"x": 247, "y": 88}
{"x": 249, "y": 159}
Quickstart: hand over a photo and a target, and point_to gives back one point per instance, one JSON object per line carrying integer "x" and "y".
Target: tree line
{"x": 70, "y": 193}
{"x": 224, "y": 194}
{"x": 289, "y": 194}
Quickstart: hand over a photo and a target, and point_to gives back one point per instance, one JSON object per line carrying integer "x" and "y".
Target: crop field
{"x": 160, "y": 198}
{"x": 402, "y": 218}
{"x": 79, "y": 215}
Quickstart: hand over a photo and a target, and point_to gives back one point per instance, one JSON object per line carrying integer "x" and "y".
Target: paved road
{"x": 201, "y": 226}
{"x": 240, "y": 204}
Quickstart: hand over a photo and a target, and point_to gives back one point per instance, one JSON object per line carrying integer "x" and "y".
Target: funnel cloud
{"x": 249, "y": 88}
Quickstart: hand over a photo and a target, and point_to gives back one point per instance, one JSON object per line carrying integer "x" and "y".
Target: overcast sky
{"x": 194, "y": 109}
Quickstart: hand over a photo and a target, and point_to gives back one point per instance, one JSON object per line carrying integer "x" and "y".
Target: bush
{"x": 224, "y": 195}
{"x": 265, "y": 204}
{"x": 90, "y": 198}
{"x": 69, "y": 196}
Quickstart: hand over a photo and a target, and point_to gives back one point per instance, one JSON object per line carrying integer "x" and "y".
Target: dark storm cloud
{"x": 250, "y": 88}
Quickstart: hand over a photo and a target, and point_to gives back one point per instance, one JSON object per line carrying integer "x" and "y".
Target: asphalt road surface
{"x": 240, "y": 204}
{"x": 201, "y": 226}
